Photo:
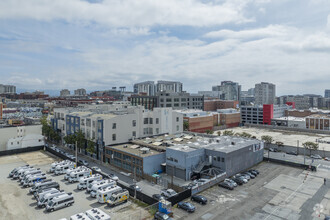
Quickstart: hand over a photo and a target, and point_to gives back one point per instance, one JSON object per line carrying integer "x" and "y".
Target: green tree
{"x": 77, "y": 137}
{"x": 267, "y": 139}
{"x": 311, "y": 146}
{"x": 279, "y": 144}
{"x": 90, "y": 146}
{"x": 245, "y": 134}
{"x": 228, "y": 133}
{"x": 185, "y": 125}
{"x": 208, "y": 131}
{"x": 218, "y": 133}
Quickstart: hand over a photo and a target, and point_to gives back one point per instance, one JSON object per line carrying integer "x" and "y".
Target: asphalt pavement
{"x": 320, "y": 163}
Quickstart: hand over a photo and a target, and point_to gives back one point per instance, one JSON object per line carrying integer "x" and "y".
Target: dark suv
{"x": 199, "y": 198}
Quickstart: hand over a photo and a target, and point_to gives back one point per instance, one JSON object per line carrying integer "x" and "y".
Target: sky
{"x": 52, "y": 45}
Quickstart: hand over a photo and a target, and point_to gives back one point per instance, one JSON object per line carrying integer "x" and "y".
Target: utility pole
{"x": 304, "y": 154}
{"x": 297, "y": 146}
{"x": 134, "y": 181}
{"x": 76, "y": 154}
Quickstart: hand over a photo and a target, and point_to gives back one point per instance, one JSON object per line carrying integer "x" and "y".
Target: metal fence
{"x": 290, "y": 163}
{"x": 180, "y": 197}
{"x": 213, "y": 181}
{"x": 21, "y": 150}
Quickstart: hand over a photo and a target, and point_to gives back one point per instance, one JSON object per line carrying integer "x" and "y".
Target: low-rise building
{"x": 229, "y": 117}
{"x": 229, "y": 154}
{"x": 215, "y": 104}
{"x": 291, "y": 122}
{"x": 318, "y": 122}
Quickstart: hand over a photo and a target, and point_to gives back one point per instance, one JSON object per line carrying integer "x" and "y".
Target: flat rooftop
{"x": 135, "y": 150}
{"x": 291, "y": 118}
{"x": 224, "y": 144}
{"x": 289, "y": 138}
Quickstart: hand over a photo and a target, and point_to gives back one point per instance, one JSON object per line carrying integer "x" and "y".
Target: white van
{"x": 97, "y": 214}
{"x": 99, "y": 186}
{"x": 118, "y": 198}
{"x": 67, "y": 173}
{"x": 62, "y": 168}
{"x": 49, "y": 196}
{"x": 42, "y": 193}
{"x": 90, "y": 185}
{"x": 32, "y": 173}
{"x": 34, "y": 179}
{"x": 103, "y": 195}
{"x": 76, "y": 175}
{"x": 53, "y": 165}
{"x": 80, "y": 216}
{"x": 20, "y": 171}
{"x": 14, "y": 170}
{"x": 27, "y": 172}
{"x": 84, "y": 181}
{"x": 59, "y": 202}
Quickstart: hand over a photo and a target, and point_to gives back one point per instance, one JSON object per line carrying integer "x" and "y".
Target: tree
{"x": 218, "y": 133}
{"x": 208, "y": 131}
{"x": 311, "y": 146}
{"x": 279, "y": 144}
{"x": 77, "y": 137}
{"x": 267, "y": 139}
{"x": 90, "y": 147}
{"x": 245, "y": 134}
{"x": 228, "y": 133}
{"x": 185, "y": 125}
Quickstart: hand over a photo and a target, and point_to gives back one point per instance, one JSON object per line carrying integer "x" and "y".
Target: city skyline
{"x": 58, "y": 45}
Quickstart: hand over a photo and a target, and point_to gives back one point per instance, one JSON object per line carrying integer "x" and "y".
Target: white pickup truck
{"x": 167, "y": 193}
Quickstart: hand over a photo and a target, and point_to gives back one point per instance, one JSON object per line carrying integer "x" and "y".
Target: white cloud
{"x": 269, "y": 31}
{"x": 129, "y": 13}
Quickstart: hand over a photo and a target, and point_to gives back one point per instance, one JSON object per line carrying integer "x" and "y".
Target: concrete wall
{"x": 15, "y": 132}
{"x": 153, "y": 163}
{"x": 30, "y": 140}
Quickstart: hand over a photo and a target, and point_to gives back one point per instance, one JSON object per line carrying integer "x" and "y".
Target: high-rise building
{"x": 65, "y": 92}
{"x": 168, "y": 86}
{"x": 80, "y": 92}
{"x": 229, "y": 90}
{"x": 7, "y": 89}
{"x": 327, "y": 93}
{"x": 264, "y": 93}
{"x": 147, "y": 88}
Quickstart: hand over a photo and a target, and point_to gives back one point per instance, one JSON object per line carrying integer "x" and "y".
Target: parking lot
{"x": 17, "y": 203}
{"x": 278, "y": 192}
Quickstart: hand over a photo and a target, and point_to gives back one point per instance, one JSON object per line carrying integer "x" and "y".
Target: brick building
{"x": 214, "y": 104}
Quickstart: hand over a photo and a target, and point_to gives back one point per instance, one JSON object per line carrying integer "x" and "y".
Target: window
{"x": 177, "y": 128}
{"x": 151, "y": 121}
{"x": 145, "y": 121}
{"x": 157, "y": 120}
{"x": 176, "y": 104}
{"x": 134, "y": 123}
{"x": 168, "y": 105}
{"x": 177, "y": 119}
{"x": 113, "y": 137}
{"x": 223, "y": 159}
{"x": 219, "y": 159}
{"x": 150, "y": 131}
{"x": 214, "y": 158}
{"x": 114, "y": 125}
{"x": 157, "y": 130}
{"x": 134, "y": 133}
{"x": 145, "y": 130}
{"x": 168, "y": 100}
{"x": 175, "y": 160}
{"x": 176, "y": 99}
{"x": 93, "y": 124}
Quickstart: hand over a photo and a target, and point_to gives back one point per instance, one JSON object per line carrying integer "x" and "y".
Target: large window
{"x": 114, "y": 125}
{"x": 151, "y": 121}
{"x": 113, "y": 137}
{"x": 157, "y": 120}
{"x": 134, "y": 123}
{"x": 177, "y": 119}
{"x": 145, "y": 121}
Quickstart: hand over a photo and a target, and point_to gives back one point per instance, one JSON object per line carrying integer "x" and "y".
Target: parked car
{"x": 273, "y": 149}
{"x": 187, "y": 206}
{"x": 231, "y": 181}
{"x": 158, "y": 197}
{"x": 113, "y": 177}
{"x": 96, "y": 168}
{"x": 316, "y": 156}
{"x": 168, "y": 193}
{"x": 162, "y": 216}
{"x": 84, "y": 162}
{"x": 226, "y": 185}
{"x": 292, "y": 153}
{"x": 327, "y": 158}
{"x": 238, "y": 180}
{"x": 257, "y": 171}
{"x": 137, "y": 188}
{"x": 254, "y": 172}
{"x": 199, "y": 198}
{"x": 249, "y": 174}
{"x": 247, "y": 177}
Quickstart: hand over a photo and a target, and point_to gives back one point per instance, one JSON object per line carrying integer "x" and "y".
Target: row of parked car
{"x": 105, "y": 190}
{"x": 72, "y": 157}
{"x": 46, "y": 191}
{"x": 239, "y": 179}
